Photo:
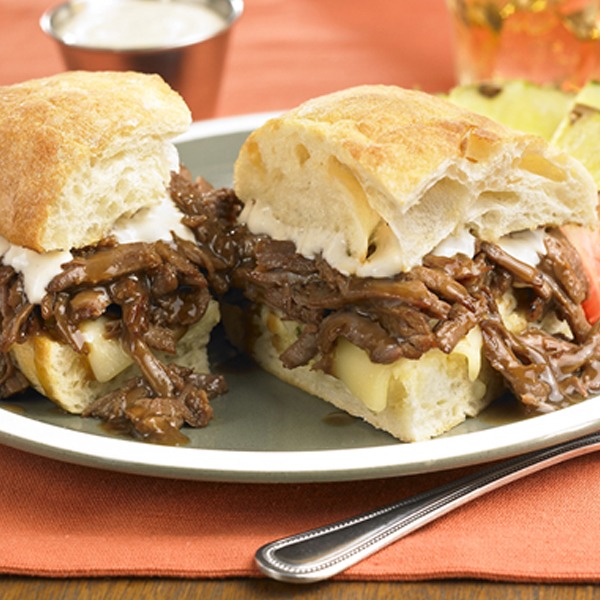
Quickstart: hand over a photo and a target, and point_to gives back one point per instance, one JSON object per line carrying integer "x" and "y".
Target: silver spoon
{"x": 323, "y": 552}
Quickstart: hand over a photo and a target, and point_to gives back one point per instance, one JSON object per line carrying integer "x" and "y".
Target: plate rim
{"x": 292, "y": 466}
{"x": 251, "y": 466}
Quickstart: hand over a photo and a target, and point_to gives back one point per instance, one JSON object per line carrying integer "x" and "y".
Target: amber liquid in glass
{"x": 544, "y": 41}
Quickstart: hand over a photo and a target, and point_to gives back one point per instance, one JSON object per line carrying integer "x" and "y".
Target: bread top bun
{"x": 375, "y": 177}
{"x": 81, "y": 149}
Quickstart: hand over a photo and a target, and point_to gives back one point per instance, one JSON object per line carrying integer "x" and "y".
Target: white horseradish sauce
{"x": 151, "y": 224}
{"x": 147, "y": 225}
{"x": 526, "y": 246}
{"x": 37, "y": 269}
{"x": 138, "y": 24}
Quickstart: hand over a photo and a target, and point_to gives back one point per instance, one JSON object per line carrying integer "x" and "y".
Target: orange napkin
{"x": 63, "y": 520}
{"x": 58, "y": 519}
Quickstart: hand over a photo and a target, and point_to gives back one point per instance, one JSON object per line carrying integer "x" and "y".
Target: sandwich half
{"x": 402, "y": 258}
{"x": 101, "y": 308}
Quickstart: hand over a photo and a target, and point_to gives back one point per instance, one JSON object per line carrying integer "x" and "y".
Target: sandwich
{"x": 102, "y": 308}
{"x": 404, "y": 259}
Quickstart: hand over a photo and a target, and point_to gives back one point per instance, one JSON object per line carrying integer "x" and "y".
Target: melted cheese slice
{"x": 370, "y": 382}
{"x": 106, "y": 356}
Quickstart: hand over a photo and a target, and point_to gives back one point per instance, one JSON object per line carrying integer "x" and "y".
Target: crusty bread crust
{"x": 373, "y": 167}
{"x": 80, "y": 149}
{"x": 58, "y": 372}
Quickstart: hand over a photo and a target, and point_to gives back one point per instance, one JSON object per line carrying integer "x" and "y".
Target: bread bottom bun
{"x": 65, "y": 377}
{"x": 423, "y": 398}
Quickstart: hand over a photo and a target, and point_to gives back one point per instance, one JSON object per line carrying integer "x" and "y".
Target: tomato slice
{"x": 587, "y": 244}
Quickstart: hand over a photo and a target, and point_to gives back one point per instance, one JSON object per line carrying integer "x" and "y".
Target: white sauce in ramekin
{"x": 138, "y": 24}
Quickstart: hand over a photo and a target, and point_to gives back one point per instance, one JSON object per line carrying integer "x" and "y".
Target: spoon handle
{"x": 323, "y": 552}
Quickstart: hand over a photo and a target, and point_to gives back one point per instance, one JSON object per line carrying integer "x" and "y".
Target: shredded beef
{"x": 137, "y": 408}
{"x": 150, "y": 293}
{"x": 434, "y": 305}
{"x": 14, "y": 317}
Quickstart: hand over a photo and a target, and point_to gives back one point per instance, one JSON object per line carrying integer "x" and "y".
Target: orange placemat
{"x": 283, "y": 52}
{"x": 58, "y": 519}
{"x": 64, "y": 520}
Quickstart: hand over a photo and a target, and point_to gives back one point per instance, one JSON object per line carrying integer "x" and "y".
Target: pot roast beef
{"x": 152, "y": 292}
{"x": 433, "y": 305}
